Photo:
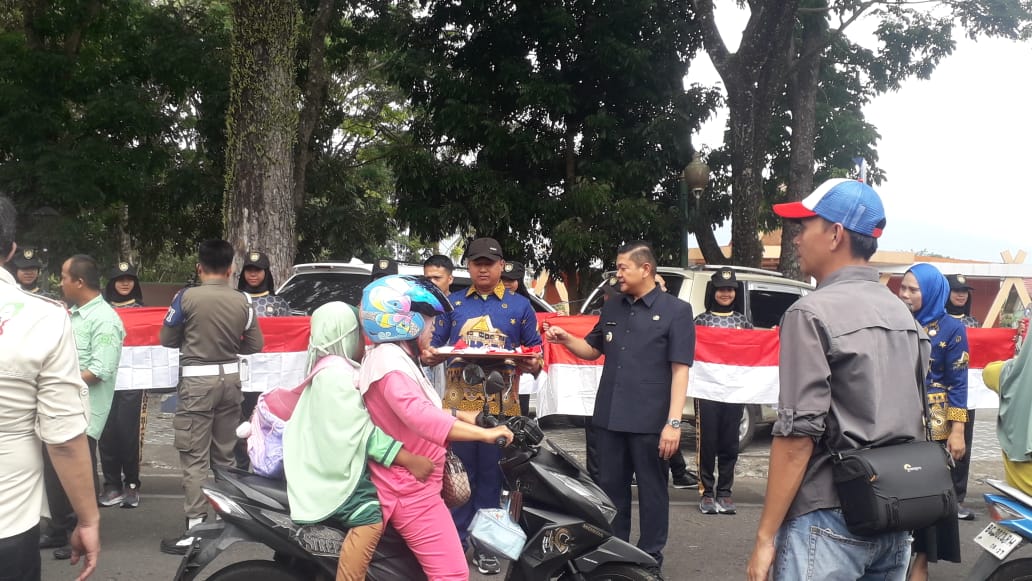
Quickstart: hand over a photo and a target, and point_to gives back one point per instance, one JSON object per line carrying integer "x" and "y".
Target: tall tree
{"x": 259, "y": 208}
{"x": 754, "y": 77}
{"x": 558, "y": 127}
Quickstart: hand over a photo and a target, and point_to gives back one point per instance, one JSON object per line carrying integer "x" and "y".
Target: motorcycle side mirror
{"x": 473, "y": 374}
{"x": 495, "y": 383}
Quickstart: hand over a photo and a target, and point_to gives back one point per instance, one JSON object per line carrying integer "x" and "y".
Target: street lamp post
{"x": 694, "y": 179}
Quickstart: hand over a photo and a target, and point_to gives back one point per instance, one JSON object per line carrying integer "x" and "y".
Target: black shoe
{"x": 177, "y": 545}
{"x": 656, "y": 572}
{"x": 52, "y": 540}
{"x": 964, "y": 513}
{"x": 684, "y": 481}
{"x": 63, "y": 553}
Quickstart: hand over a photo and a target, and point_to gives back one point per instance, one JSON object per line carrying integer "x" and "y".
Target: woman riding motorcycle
{"x": 397, "y": 316}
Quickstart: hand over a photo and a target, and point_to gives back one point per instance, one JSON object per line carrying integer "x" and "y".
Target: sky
{"x": 954, "y": 148}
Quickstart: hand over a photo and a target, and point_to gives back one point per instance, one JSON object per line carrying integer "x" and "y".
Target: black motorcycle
{"x": 567, "y": 520}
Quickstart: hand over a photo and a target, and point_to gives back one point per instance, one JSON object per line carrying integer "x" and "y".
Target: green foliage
{"x": 131, "y": 113}
{"x": 558, "y": 127}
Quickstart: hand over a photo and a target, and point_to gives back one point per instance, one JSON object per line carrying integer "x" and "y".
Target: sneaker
{"x": 726, "y": 505}
{"x": 486, "y": 564}
{"x": 111, "y": 496}
{"x": 52, "y": 540}
{"x": 684, "y": 481}
{"x": 707, "y": 505}
{"x": 132, "y": 497}
{"x": 177, "y": 545}
{"x": 964, "y": 513}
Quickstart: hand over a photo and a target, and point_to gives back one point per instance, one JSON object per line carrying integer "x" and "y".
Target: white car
{"x": 314, "y": 284}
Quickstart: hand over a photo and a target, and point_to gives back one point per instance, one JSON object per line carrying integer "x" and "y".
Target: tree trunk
{"x": 312, "y": 98}
{"x": 753, "y": 77}
{"x": 707, "y": 240}
{"x": 803, "y": 102}
{"x": 259, "y": 212}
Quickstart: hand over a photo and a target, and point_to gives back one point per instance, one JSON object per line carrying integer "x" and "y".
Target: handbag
{"x": 896, "y": 486}
{"x": 455, "y": 489}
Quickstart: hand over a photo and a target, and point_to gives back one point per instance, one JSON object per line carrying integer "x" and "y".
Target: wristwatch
{"x": 674, "y": 423}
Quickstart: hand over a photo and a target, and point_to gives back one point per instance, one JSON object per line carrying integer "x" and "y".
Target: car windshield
{"x": 312, "y": 290}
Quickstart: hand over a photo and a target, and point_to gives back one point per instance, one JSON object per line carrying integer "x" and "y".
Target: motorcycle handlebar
{"x": 500, "y": 441}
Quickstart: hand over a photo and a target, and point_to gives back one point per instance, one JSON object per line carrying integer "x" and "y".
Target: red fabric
{"x": 748, "y": 347}
{"x": 282, "y": 334}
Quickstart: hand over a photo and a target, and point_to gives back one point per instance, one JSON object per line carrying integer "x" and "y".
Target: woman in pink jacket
{"x": 397, "y": 315}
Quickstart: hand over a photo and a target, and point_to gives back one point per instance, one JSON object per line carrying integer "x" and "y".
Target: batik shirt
{"x": 968, "y": 321}
{"x": 732, "y": 320}
{"x": 267, "y": 304}
{"x": 501, "y": 319}
{"x": 947, "y": 382}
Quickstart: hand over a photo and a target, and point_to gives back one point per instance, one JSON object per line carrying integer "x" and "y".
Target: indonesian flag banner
{"x": 145, "y": 364}
{"x": 732, "y": 365}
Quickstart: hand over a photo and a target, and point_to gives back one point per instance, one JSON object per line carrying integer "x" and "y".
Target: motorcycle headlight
{"x": 577, "y": 486}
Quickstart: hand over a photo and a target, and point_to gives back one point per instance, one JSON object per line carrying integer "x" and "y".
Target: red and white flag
{"x": 145, "y": 364}
{"x": 732, "y": 365}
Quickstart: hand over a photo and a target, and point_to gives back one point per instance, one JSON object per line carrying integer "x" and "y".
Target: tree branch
{"x": 715, "y": 46}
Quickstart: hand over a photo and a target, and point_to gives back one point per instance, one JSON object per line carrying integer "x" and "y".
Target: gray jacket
{"x": 851, "y": 356}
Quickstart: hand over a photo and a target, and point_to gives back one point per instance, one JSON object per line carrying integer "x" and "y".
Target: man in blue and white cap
{"x": 850, "y": 352}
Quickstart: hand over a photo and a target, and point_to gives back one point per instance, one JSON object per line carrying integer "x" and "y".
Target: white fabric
{"x": 42, "y": 398}
{"x": 209, "y": 370}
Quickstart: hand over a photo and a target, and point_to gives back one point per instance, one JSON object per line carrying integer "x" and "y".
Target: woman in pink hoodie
{"x": 397, "y": 315}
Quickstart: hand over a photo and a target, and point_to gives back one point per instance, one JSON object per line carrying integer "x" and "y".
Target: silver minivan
{"x": 766, "y": 297}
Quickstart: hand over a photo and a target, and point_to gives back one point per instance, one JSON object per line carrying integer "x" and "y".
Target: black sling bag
{"x": 898, "y": 485}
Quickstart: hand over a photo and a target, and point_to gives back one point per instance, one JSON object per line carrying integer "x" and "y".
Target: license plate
{"x": 997, "y": 540}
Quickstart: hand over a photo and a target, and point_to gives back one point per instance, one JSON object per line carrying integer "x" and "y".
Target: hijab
{"x": 935, "y": 291}
{"x": 334, "y": 332}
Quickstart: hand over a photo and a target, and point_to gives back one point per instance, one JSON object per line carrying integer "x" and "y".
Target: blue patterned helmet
{"x": 395, "y": 308}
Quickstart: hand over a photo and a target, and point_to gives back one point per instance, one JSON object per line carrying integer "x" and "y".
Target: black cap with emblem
{"x": 384, "y": 267}
{"x": 958, "y": 282}
{"x": 27, "y": 258}
{"x": 724, "y": 278}
{"x": 122, "y": 270}
{"x": 259, "y": 260}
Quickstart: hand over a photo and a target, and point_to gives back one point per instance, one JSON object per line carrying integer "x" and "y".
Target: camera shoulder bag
{"x": 897, "y": 486}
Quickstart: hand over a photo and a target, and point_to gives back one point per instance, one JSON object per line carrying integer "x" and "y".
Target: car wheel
{"x": 747, "y": 425}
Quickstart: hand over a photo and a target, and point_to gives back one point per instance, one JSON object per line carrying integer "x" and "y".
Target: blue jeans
{"x": 818, "y": 546}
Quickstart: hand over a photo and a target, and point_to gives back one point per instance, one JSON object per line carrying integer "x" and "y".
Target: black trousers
{"x": 62, "y": 517}
{"x": 678, "y": 467}
{"x": 122, "y": 440}
{"x": 716, "y": 432}
{"x": 243, "y": 461}
{"x": 20, "y": 557}
{"x": 620, "y": 455}
{"x": 963, "y": 466}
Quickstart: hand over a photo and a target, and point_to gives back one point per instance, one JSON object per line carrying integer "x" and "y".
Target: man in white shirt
{"x": 43, "y": 400}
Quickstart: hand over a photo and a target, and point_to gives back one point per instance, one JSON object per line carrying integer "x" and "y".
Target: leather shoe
{"x": 52, "y": 540}
{"x": 63, "y": 553}
{"x": 964, "y": 513}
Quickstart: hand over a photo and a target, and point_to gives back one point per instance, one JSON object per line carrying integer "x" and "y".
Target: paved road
{"x": 701, "y": 547}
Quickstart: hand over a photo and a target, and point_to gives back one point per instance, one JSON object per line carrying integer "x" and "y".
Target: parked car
{"x": 766, "y": 297}
{"x": 312, "y": 285}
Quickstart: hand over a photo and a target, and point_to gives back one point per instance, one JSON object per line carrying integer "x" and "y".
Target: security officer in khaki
{"x": 211, "y": 324}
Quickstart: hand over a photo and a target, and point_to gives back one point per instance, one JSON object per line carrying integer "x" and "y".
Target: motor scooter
{"x": 566, "y": 517}
{"x": 1009, "y": 530}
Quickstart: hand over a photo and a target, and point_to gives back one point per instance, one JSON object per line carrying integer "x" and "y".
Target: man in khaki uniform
{"x": 210, "y": 324}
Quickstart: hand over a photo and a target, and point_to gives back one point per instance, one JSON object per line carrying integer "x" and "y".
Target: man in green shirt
{"x": 98, "y": 338}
